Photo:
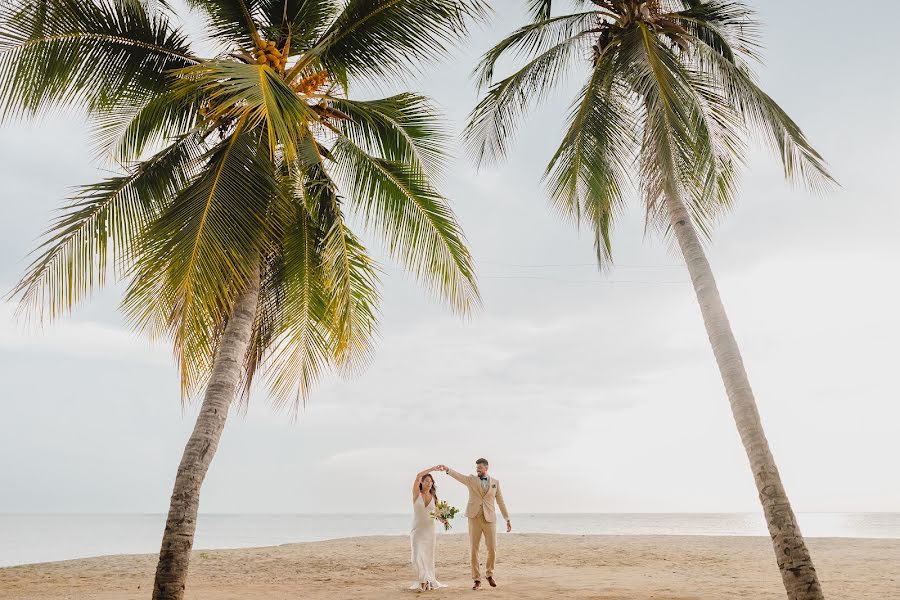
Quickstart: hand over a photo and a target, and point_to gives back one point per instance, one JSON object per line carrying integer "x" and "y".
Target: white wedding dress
{"x": 422, "y": 539}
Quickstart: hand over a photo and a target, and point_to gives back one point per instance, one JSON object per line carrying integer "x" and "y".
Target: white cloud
{"x": 362, "y": 458}
{"x": 76, "y": 338}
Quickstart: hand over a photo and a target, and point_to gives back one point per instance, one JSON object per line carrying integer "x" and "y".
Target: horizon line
{"x": 390, "y": 514}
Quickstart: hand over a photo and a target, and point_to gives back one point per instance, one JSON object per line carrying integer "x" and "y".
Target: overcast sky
{"x": 588, "y": 392}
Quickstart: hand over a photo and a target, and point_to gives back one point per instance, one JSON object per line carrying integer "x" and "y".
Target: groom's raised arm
{"x": 458, "y": 476}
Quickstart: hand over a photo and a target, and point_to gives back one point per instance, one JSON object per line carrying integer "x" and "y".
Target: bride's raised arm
{"x": 418, "y": 481}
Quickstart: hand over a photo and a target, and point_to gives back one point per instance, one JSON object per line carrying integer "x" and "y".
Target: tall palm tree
{"x": 670, "y": 102}
{"x": 228, "y": 218}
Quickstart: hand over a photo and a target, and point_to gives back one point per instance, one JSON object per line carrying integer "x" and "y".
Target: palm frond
{"x": 404, "y": 128}
{"x": 718, "y": 135}
{"x": 229, "y": 21}
{"x": 539, "y": 9}
{"x": 420, "y": 229}
{"x": 152, "y": 6}
{"x": 493, "y": 122}
{"x": 726, "y": 27}
{"x": 303, "y": 342}
{"x": 253, "y": 94}
{"x": 123, "y": 134}
{"x": 268, "y": 319}
{"x": 351, "y": 278}
{"x": 766, "y": 119}
{"x": 194, "y": 258}
{"x": 102, "y": 222}
{"x": 668, "y": 144}
{"x": 87, "y": 54}
{"x": 380, "y": 38}
{"x": 305, "y": 20}
{"x": 692, "y": 138}
{"x": 588, "y": 174}
{"x": 533, "y": 39}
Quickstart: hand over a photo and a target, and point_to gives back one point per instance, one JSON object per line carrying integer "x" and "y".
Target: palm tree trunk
{"x": 797, "y": 570}
{"x": 178, "y": 538}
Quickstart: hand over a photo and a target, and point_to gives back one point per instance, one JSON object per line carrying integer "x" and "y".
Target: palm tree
{"x": 228, "y": 217}
{"x": 669, "y": 101}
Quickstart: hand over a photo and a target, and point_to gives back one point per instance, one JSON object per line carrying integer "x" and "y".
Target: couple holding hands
{"x": 484, "y": 494}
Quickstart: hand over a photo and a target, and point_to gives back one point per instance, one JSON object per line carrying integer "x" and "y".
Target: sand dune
{"x": 530, "y": 566}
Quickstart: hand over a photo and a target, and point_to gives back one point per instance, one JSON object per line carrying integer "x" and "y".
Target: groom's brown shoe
{"x": 492, "y": 582}
{"x": 477, "y": 585}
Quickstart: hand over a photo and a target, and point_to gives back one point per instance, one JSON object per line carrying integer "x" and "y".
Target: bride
{"x": 423, "y": 535}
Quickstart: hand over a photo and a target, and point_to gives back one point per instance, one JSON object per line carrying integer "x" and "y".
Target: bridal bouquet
{"x": 443, "y": 512}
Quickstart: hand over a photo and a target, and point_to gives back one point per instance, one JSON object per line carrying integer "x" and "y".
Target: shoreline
{"x": 442, "y": 535}
{"x": 530, "y": 565}
{"x": 41, "y": 538}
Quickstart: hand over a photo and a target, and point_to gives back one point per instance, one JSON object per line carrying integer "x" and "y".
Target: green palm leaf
{"x": 352, "y": 280}
{"x": 306, "y": 20}
{"x": 381, "y": 38}
{"x": 420, "y": 229}
{"x": 588, "y": 174}
{"x": 539, "y": 9}
{"x": 229, "y": 21}
{"x": 402, "y": 128}
{"x": 87, "y": 54}
{"x": 534, "y": 39}
{"x": 770, "y": 123}
{"x": 349, "y": 275}
{"x": 124, "y": 134}
{"x": 493, "y": 121}
{"x": 103, "y": 221}
{"x": 726, "y": 27}
{"x": 303, "y": 341}
{"x": 253, "y": 94}
{"x": 193, "y": 259}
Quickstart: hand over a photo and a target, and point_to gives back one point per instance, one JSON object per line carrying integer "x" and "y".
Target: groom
{"x": 484, "y": 491}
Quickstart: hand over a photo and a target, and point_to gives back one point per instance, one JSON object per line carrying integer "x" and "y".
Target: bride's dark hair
{"x": 433, "y": 485}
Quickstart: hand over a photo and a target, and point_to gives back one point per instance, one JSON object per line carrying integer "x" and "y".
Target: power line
{"x": 596, "y": 282}
{"x": 609, "y": 282}
{"x": 552, "y": 265}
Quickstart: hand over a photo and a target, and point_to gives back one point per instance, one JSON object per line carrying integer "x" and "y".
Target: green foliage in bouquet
{"x": 444, "y": 513}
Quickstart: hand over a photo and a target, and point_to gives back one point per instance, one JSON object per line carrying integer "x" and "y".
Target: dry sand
{"x": 529, "y": 566}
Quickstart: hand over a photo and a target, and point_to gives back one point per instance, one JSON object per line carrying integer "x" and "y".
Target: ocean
{"x": 32, "y": 538}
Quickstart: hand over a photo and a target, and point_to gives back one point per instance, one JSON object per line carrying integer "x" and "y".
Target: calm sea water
{"x": 42, "y": 538}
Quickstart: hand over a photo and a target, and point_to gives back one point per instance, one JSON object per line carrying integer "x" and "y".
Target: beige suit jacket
{"x": 480, "y": 499}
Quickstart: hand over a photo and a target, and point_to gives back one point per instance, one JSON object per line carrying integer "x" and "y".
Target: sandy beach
{"x": 530, "y": 566}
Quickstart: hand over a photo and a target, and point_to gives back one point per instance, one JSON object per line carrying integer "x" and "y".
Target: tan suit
{"x": 482, "y": 516}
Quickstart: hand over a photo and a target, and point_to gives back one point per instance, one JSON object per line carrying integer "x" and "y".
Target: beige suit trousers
{"x": 479, "y": 526}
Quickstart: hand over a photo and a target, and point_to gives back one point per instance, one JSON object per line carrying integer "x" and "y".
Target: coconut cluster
{"x": 311, "y": 83}
{"x": 267, "y": 53}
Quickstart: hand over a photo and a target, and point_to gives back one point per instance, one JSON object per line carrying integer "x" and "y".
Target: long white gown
{"x": 422, "y": 539}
